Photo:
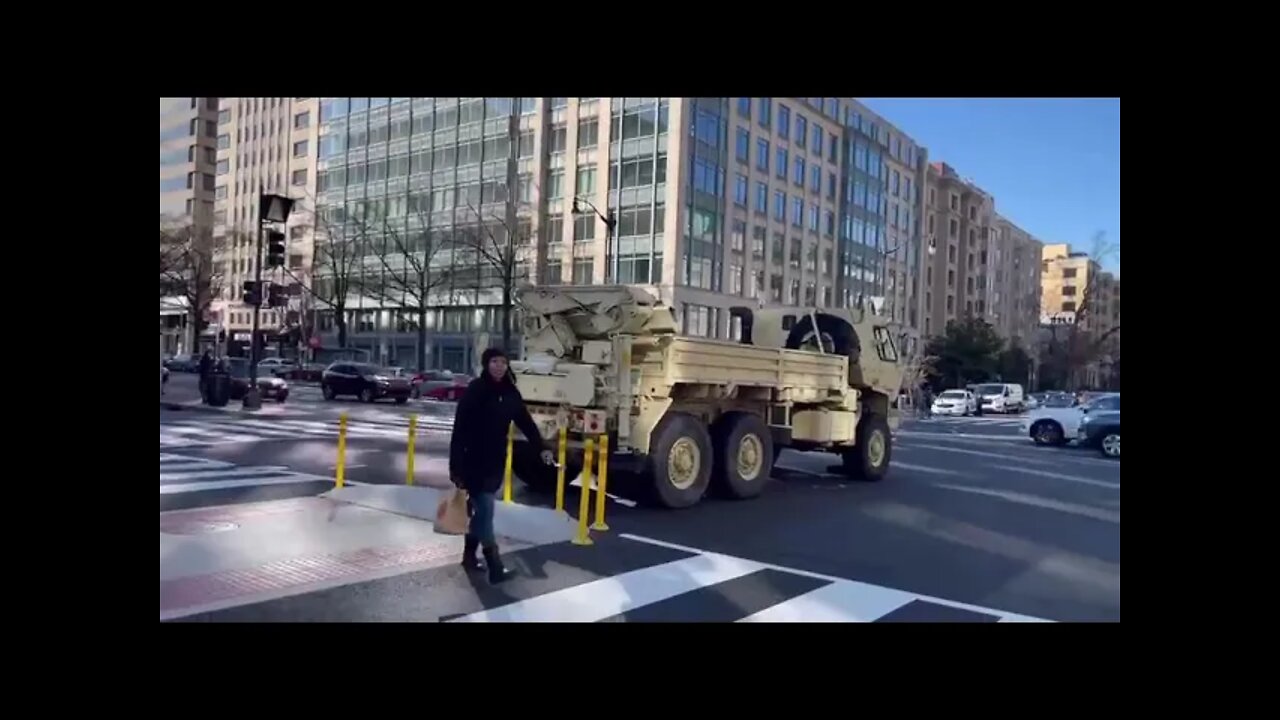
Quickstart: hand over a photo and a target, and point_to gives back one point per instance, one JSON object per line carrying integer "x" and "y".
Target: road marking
{"x": 1060, "y": 476}
{"x": 964, "y": 436}
{"x": 294, "y": 479}
{"x": 232, "y": 472}
{"x": 1037, "y": 501}
{"x": 922, "y": 468}
{"x": 845, "y": 601}
{"x": 606, "y": 597}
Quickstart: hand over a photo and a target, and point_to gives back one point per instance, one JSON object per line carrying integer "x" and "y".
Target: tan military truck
{"x": 691, "y": 413}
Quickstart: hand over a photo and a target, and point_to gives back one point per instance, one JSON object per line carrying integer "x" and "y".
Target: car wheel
{"x": 1047, "y": 432}
{"x": 1111, "y": 444}
{"x": 281, "y": 398}
{"x": 366, "y": 395}
{"x": 402, "y": 399}
{"x": 327, "y": 392}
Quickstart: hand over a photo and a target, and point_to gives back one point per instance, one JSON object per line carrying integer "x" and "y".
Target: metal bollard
{"x": 506, "y": 474}
{"x": 413, "y": 437}
{"x": 564, "y": 441}
{"x": 604, "y": 479}
{"x": 584, "y": 507}
{"x": 342, "y": 451}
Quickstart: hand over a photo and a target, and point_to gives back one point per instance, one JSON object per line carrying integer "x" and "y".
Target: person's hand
{"x": 548, "y": 458}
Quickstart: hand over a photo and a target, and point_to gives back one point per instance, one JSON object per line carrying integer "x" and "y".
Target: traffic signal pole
{"x": 251, "y": 397}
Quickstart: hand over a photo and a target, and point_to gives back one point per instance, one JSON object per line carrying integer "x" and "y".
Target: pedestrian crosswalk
{"x": 187, "y": 482}
{"x": 223, "y": 430}
{"x": 983, "y": 421}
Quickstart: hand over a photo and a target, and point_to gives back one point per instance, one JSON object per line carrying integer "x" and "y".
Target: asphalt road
{"x": 971, "y": 514}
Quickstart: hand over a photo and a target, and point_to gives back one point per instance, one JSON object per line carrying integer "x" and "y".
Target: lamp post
{"x": 609, "y": 223}
{"x": 271, "y": 209}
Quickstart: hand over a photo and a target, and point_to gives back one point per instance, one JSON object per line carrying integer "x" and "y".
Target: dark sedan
{"x": 269, "y": 387}
{"x": 365, "y": 381}
{"x": 1101, "y": 429}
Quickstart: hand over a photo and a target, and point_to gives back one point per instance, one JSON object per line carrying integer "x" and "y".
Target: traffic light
{"x": 251, "y": 296}
{"x": 277, "y": 295}
{"x": 275, "y": 249}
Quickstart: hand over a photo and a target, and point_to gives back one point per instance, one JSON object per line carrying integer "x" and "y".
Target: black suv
{"x": 365, "y": 381}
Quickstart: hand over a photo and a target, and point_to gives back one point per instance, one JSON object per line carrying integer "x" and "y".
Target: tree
{"x": 188, "y": 271}
{"x": 1080, "y": 339}
{"x": 967, "y": 351}
{"x": 411, "y": 276}
{"x": 1014, "y": 364}
{"x": 337, "y": 266}
{"x": 498, "y": 247}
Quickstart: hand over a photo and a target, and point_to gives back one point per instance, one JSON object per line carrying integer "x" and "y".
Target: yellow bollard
{"x": 564, "y": 440}
{"x": 413, "y": 436}
{"x": 584, "y": 508}
{"x": 604, "y": 478}
{"x": 506, "y": 474}
{"x": 342, "y": 450}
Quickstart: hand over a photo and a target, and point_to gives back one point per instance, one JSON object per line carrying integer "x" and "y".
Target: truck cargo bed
{"x": 806, "y": 375}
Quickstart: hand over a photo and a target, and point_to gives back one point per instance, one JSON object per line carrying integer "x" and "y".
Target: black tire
{"x": 671, "y": 430}
{"x": 862, "y": 461}
{"x": 366, "y": 395}
{"x": 402, "y": 399}
{"x": 282, "y": 398}
{"x": 1048, "y": 432}
{"x": 730, "y": 435}
{"x": 327, "y": 392}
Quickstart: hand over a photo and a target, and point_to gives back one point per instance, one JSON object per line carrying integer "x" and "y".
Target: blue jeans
{"x": 482, "y": 506}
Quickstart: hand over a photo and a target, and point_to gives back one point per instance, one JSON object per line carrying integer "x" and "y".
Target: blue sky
{"x": 1053, "y": 165}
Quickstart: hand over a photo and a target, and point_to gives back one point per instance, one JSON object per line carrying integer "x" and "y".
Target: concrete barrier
{"x": 533, "y": 525}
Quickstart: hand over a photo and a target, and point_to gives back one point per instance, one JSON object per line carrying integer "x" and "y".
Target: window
{"x": 757, "y": 243}
{"x": 224, "y": 167}
{"x": 555, "y": 184}
{"x": 831, "y": 186}
{"x": 555, "y": 229}
{"x": 796, "y": 250}
{"x": 1068, "y": 272}
{"x": 826, "y": 263}
{"x": 735, "y": 279}
{"x": 584, "y": 227}
{"x": 588, "y": 133}
{"x": 1068, "y": 290}
{"x": 762, "y": 197}
{"x": 813, "y": 218}
{"x": 766, "y": 112}
{"x": 300, "y": 148}
{"x": 224, "y": 142}
{"x": 742, "y": 145}
{"x": 833, "y": 148}
{"x": 784, "y": 120}
{"x": 210, "y": 128}
{"x": 816, "y": 146}
{"x": 815, "y": 178}
{"x": 779, "y": 247}
{"x": 220, "y": 192}
{"x": 583, "y": 269}
{"x": 224, "y": 116}
{"x": 738, "y": 237}
{"x": 762, "y": 154}
{"x": 1069, "y": 306}
{"x": 586, "y": 180}
{"x": 802, "y": 131}
{"x": 556, "y": 138}
{"x": 557, "y": 103}
{"x": 779, "y": 205}
{"x": 951, "y": 253}
{"x": 744, "y": 107}
{"x": 955, "y": 201}
{"x": 302, "y": 120}
{"x": 797, "y": 212}
{"x": 782, "y": 163}
{"x": 295, "y": 261}
{"x": 829, "y": 228}
{"x": 951, "y": 303}
{"x": 895, "y": 184}
{"x": 798, "y": 172}
{"x": 953, "y": 228}
{"x": 740, "y": 190}
{"x": 906, "y": 188}
{"x": 554, "y": 273}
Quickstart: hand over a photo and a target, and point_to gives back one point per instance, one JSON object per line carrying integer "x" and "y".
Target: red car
{"x": 447, "y": 390}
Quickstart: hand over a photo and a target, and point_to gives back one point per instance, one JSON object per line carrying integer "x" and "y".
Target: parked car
{"x": 269, "y": 387}
{"x": 446, "y": 390}
{"x": 183, "y": 363}
{"x": 1058, "y": 421}
{"x": 365, "y": 381}
{"x": 278, "y": 367}
{"x": 1101, "y": 429}
{"x": 955, "y": 402}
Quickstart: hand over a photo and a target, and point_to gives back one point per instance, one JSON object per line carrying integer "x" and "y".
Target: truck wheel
{"x": 679, "y": 461}
{"x": 743, "y": 455}
{"x": 869, "y": 458}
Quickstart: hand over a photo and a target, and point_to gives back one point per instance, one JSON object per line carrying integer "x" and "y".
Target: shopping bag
{"x": 451, "y": 513}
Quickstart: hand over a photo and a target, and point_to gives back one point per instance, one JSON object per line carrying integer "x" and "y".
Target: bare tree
{"x": 337, "y": 265}
{"x": 1083, "y": 337}
{"x": 499, "y": 247}
{"x": 188, "y": 270}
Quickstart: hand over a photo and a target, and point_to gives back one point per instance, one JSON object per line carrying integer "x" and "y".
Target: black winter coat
{"x": 478, "y": 450}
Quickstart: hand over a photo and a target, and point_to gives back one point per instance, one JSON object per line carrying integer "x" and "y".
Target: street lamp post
{"x": 609, "y": 223}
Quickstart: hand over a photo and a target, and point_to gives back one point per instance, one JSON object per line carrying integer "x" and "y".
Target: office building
{"x": 263, "y": 144}
{"x": 748, "y": 201}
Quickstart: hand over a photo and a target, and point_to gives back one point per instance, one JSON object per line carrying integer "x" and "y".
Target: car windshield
{"x": 1059, "y": 401}
{"x": 989, "y": 389}
{"x": 952, "y": 395}
{"x": 366, "y": 369}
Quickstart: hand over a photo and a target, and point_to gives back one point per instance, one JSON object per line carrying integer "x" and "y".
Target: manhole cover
{"x": 199, "y": 528}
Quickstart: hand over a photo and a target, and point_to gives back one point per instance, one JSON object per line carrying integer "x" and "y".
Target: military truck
{"x": 687, "y": 414}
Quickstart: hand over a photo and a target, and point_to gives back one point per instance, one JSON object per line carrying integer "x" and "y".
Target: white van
{"x": 1001, "y": 397}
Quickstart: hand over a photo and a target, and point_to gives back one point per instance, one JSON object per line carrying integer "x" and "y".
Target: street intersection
{"x": 973, "y": 524}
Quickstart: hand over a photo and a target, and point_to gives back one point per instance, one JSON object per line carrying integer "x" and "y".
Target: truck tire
{"x": 743, "y": 455}
{"x": 680, "y": 460}
{"x": 869, "y": 458}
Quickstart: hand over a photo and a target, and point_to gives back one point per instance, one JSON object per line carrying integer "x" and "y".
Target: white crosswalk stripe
{"x": 984, "y": 421}
{"x": 181, "y": 474}
{"x": 710, "y": 586}
{"x": 219, "y": 431}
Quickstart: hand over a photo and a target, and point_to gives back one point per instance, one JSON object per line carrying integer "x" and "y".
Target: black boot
{"x": 497, "y": 573}
{"x": 469, "y": 559}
